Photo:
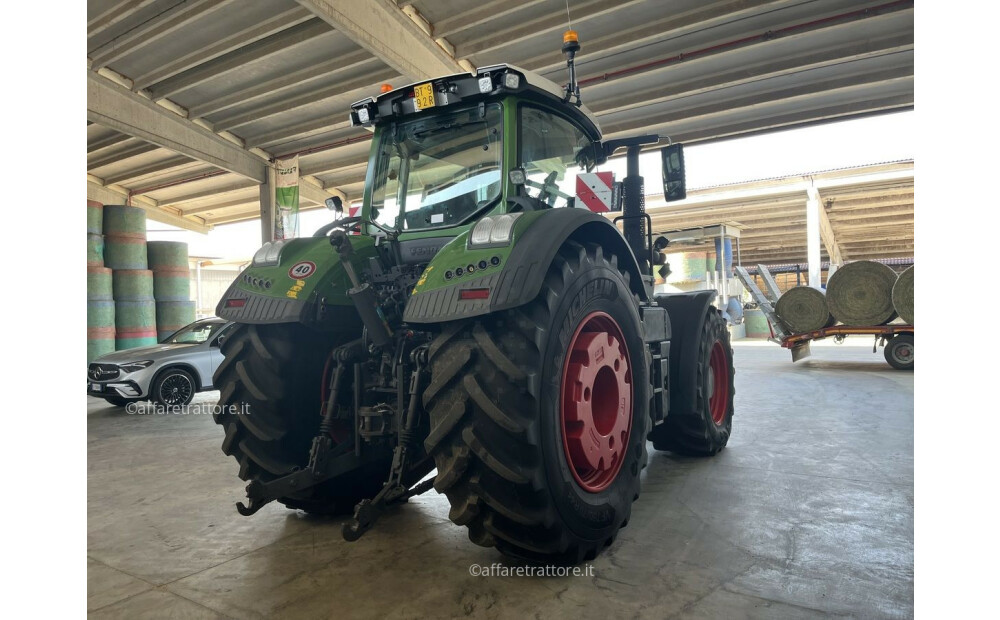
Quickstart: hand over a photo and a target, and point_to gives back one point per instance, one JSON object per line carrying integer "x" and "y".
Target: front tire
{"x": 508, "y": 404}
{"x": 269, "y": 406}
{"x": 701, "y": 426}
{"x": 173, "y": 387}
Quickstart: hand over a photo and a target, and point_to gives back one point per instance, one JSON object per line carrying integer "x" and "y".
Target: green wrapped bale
{"x": 100, "y": 341}
{"x": 133, "y": 284}
{"x": 124, "y": 252}
{"x": 100, "y": 313}
{"x": 172, "y": 284}
{"x": 860, "y": 293}
{"x": 95, "y": 217}
{"x": 756, "y": 324}
{"x": 167, "y": 255}
{"x": 124, "y": 220}
{"x": 99, "y": 283}
{"x": 173, "y": 315}
{"x": 803, "y": 309}
{"x": 131, "y": 338}
{"x": 135, "y": 323}
{"x": 902, "y": 296}
{"x": 95, "y": 250}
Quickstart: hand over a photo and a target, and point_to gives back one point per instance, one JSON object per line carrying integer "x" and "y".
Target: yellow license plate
{"x": 423, "y": 96}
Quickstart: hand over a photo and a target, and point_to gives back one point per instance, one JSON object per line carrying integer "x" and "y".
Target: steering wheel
{"x": 324, "y": 230}
{"x": 548, "y": 187}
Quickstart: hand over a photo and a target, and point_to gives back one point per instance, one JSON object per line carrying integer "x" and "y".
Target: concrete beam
{"x": 381, "y": 27}
{"x": 134, "y": 149}
{"x": 554, "y": 20}
{"x": 482, "y": 14}
{"x": 312, "y": 190}
{"x": 153, "y": 30}
{"x": 286, "y": 104}
{"x": 105, "y": 142}
{"x": 259, "y": 30}
{"x": 118, "y": 195}
{"x": 236, "y": 59}
{"x": 124, "y": 111}
{"x": 331, "y": 68}
{"x": 826, "y": 230}
{"x": 323, "y": 124}
{"x": 268, "y": 207}
{"x": 114, "y": 14}
{"x": 137, "y": 173}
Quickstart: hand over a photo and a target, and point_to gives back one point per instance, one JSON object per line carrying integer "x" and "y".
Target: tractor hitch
{"x": 396, "y": 489}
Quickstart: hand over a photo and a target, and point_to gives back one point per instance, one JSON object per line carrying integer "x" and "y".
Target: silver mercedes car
{"x": 168, "y": 373}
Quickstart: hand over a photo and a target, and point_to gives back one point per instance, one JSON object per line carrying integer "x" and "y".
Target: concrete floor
{"x": 808, "y": 513}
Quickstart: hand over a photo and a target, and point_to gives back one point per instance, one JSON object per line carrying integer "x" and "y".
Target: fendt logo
{"x": 427, "y": 250}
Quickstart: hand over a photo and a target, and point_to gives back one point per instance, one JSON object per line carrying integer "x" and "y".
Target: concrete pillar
{"x": 267, "y": 207}
{"x": 813, "y": 206}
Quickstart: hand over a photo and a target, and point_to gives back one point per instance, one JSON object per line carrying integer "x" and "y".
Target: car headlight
{"x": 493, "y": 230}
{"x": 134, "y": 366}
{"x": 269, "y": 254}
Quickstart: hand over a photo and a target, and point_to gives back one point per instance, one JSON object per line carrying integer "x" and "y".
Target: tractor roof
{"x": 467, "y": 87}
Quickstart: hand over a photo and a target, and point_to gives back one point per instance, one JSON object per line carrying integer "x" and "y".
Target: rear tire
{"x": 269, "y": 406}
{"x": 498, "y": 422}
{"x": 702, "y": 426}
{"x": 899, "y": 352}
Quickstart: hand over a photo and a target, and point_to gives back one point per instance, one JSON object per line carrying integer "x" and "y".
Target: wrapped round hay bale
{"x": 99, "y": 283}
{"x": 167, "y": 255}
{"x": 95, "y": 217}
{"x": 132, "y": 284}
{"x": 95, "y": 250}
{"x": 803, "y": 309}
{"x": 100, "y": 341}
{"x": 902, "y": 295}
{"x": 860, "y": 293}
{"x": 756, "y": 324}
{"x": 172, "y": 315}
{"x": 124, "y": 237}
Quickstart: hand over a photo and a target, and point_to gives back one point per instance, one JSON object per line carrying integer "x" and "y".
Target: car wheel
{"x": 174, "y": 387}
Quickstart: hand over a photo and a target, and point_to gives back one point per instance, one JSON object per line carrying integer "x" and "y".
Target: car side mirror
{"x": 674, "y": 182}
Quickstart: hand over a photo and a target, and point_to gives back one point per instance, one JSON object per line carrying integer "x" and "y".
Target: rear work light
{"x": 474, "y": 293}
{"x": 236, "y": 303}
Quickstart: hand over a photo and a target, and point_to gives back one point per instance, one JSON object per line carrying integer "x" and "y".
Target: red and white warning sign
{"x": 595, "y": 190}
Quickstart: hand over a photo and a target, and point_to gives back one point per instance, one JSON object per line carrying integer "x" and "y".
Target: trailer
{"x": 895, "y": 338}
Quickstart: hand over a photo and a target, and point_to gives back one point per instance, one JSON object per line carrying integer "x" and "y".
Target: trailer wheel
{"x": 539, "y": 414}
{"x": 899, "y": 352}
{"x": 701, "y": 426}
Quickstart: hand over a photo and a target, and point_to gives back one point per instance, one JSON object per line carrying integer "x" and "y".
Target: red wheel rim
{"x": 596, "y": 402}
{"x": 718, "y": 383}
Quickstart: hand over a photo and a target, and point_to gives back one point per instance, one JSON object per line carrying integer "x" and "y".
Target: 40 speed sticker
{"x": 302, "y": 270}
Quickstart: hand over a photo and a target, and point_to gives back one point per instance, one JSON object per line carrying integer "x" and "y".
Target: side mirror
{"x": 335, "y": 204}
{"x": 674, "y": 183}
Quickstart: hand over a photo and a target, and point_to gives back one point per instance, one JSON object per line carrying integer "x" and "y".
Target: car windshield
{"x": 439, "y": 170}
{"x": 195, "y": 333}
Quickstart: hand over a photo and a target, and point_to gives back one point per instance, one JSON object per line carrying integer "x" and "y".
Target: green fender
{"x": 308, "y": 285}
{"x": 514, "y": 273}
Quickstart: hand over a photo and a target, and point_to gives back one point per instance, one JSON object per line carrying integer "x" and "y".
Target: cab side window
{"x": 552, "y": 152}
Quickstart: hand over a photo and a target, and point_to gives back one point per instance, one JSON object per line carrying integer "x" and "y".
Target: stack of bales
{"x": 171, "y": 286}
{"x": 125, "y": 253}
{"x": 862, "y": 294}
{"x": 100, "y": 304}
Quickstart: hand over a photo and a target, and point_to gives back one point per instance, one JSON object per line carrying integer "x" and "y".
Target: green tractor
{"x": 475, "y": 319}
